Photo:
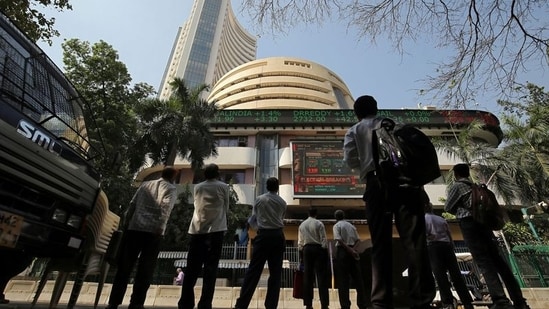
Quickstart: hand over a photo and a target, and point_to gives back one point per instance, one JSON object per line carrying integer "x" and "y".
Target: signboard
{"x": 346, "y": 117}
{"x": 10, "y": 229}
{"x": 319, "y": 171}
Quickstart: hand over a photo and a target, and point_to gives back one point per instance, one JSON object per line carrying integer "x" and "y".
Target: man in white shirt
{"x": 313, "y": 247}
{"x": 268, "y": 246}
{"x": 347, "y": 262}
{"x": 145, "y": 222}
{"x": 206, "y": 231}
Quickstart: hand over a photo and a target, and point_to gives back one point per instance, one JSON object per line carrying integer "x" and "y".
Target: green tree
{"x": 178, "y": 126}
{"x": 485, "y": 163}
{"x": 105, "y": 84}
{"x": 28, "y": 17}
{"x": 489, "y": 41}
{"x": 526, "y": 152}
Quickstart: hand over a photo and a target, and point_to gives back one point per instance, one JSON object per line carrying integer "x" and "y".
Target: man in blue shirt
{"x": 443, "y": 260}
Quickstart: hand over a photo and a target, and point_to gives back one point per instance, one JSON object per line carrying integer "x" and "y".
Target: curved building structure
{"x": 208, "y": 45}
{"x": 282, "y": 83}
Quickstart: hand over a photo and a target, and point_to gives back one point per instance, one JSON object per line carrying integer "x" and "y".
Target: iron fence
{"x": 531, "y": 266}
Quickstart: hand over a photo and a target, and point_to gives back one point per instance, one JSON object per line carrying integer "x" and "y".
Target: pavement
{"x": 21, "y": 293}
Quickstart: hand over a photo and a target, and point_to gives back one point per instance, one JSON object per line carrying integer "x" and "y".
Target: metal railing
{"x": 532, "y": 267}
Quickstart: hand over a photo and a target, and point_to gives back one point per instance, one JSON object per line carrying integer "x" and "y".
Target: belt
{"x": 318, "y": 245}
{"x": 277, "y": 230}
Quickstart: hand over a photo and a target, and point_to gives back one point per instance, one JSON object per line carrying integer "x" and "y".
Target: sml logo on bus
{"x": 40, "y": 138}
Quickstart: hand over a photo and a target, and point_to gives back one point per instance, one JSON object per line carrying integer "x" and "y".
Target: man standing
{"x": 145, "y": 222}
{"x": 180, "y": 275}
{"x": 443, "y": 259}
{"x": 347, "y": 262}
{"x": 209, "y": 223}
{"x": 382, "y": 203}
{"x": 482, "y": 244}
{"x": 268, "y": 246}
{"x": 313, "y": 246}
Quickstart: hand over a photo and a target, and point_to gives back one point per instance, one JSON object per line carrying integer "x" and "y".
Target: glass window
{"x": 232, "y": 176}
{"x": 232, "y": 141}
{"x": 227, "y": 176}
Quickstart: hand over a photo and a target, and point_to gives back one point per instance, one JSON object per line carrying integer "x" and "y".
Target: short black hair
{"x": 169, "y": 173}
{"x": 339, "y": 214}
{"x": 461, "y": 170}
{"x": 365, "y": 106}
{"x": 272, "y": 184}
{"x": 211, "y": 171}
{"x": 313, "y": 212}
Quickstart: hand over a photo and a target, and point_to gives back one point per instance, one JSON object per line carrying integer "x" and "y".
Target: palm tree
{"x": 520, "y": 167}
{"x": 526, "y": 153}
{"x": 485, "y": 163}
{"x": 178, "y": 126}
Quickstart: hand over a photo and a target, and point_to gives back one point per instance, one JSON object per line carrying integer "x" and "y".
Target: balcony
{"x": 245, "y": 192}
{"x": 436, "y": 192}
{"x": 227, "y": 158}
{"x": 285, "y": 157}
{"x": 286, "y": 192}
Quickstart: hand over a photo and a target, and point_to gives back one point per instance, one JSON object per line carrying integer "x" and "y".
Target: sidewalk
{"x": 21, "y": 293}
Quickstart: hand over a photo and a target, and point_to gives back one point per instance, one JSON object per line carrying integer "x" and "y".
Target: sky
{"x": 143, "y": 32}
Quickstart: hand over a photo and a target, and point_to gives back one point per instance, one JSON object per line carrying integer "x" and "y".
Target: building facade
{"x": 207, "y": 46}
{"x": 284, "y": 117}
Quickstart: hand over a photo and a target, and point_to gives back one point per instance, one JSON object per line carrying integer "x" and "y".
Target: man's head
{"x": 313, "y": 212}
{"x": 211, "y": 171}
{"x": 461, "y": 170}
{"x": 272, "y": 184}
{"x": 339, "y": 215}
{"x": 169, "y": 173}
{"x": 365, "y": 106}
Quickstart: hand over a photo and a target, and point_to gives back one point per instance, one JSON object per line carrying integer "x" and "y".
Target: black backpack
{"x": 486, "y": 208}
{"x": 404, "y": 155}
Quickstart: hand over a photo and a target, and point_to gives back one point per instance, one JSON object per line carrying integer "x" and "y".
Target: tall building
{"x": 286, "y": 117}
{"x": 281, "y": 82}
{"x": 207, "y": 46}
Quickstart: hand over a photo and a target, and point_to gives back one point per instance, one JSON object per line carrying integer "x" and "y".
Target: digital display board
{"x": 319, "y": 171}
{"x": 346, "y": 117}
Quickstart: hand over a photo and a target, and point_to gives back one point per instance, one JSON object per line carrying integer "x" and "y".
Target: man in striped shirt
{"x": 145, "y": 222}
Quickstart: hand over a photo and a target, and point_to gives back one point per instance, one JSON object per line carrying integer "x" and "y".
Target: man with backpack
{"x": 482, "y": 245}
{"x": 385, "y": 200}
